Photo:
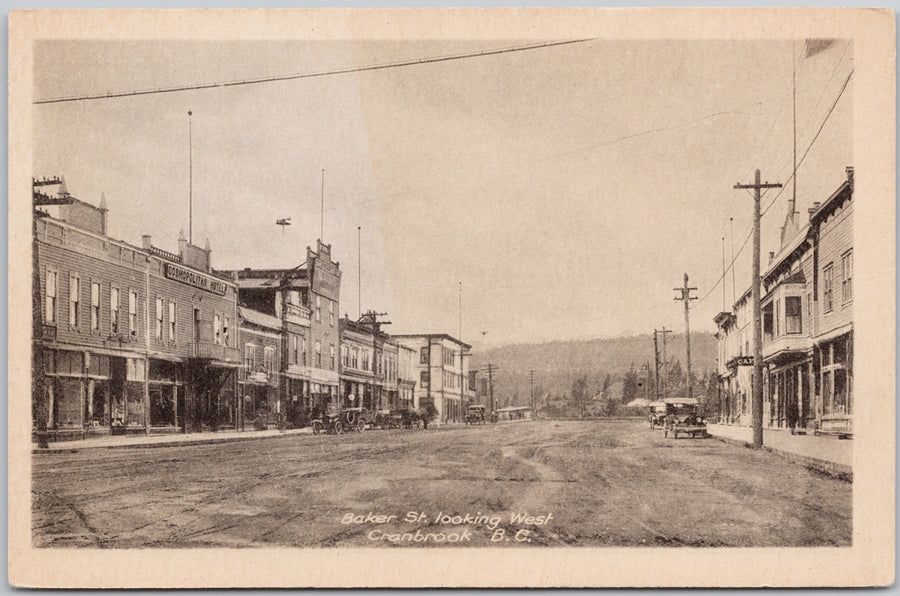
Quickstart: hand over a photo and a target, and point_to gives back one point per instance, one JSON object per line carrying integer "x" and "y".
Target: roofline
{"x": 433, "y": 336}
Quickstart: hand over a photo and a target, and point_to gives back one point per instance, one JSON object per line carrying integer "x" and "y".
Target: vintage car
{"x": 657, "y": 414}
{"x": 683, "y": 417}
{"x": 475, "y": 415}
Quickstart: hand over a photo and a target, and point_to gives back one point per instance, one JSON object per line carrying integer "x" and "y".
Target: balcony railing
{"x": 216, "y": 352}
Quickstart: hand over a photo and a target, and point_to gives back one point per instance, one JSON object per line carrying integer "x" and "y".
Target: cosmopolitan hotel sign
{"x": 197, "y": 280}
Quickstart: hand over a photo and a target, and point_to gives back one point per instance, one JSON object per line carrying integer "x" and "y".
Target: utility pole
{"x": 665, "y": 363}
{"x": 491, "y": 388}
{"x": 757, "y": 403}
{"x": 686, "y": 298}
{"x": 656, "y": 363}
{"x": 531, "y": 375}
{"x": 322, "y": 210}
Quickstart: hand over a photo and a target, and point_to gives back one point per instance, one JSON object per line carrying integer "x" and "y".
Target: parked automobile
{"x": 683, "y": 417}
{"x": 475, "y": 415}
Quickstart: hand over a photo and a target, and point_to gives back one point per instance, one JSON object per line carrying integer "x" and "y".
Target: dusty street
{"x": 585, "y": 483}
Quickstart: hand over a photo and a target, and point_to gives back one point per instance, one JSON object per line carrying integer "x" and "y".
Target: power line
{"x": 781, "y": 190}
{"x": 292, "y": 77}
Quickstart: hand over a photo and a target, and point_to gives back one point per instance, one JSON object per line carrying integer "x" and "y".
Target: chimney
{"x": 182, "y": 243}
{"x": 208, "y": 251}
{"x": 814, "y": 208}
{"x": 146, "y": 242}
{"x": 104, "y": 212}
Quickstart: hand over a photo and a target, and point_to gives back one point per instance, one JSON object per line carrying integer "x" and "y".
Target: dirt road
{"x": 518, "y": 484}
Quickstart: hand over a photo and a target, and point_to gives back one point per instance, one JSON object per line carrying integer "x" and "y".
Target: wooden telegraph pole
{"x": 757, "y": 403}
{"x": 686, "y": 298}
{"x": 656, "y": 364}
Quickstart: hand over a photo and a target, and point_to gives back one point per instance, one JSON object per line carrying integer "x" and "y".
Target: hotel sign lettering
{"x": 195, "y": 279}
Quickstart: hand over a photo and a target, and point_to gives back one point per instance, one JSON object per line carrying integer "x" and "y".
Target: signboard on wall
{"x": 192, "y": 278}
{"x": 326, "y": 280}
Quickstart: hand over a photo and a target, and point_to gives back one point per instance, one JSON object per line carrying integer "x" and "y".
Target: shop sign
{"x": 195, "y": 279}
{"x": 740, "y": 361}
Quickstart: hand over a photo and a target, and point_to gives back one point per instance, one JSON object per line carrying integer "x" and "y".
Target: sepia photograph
{"x": 483, "y": 296}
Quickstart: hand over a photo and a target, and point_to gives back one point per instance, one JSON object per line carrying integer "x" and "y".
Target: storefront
{"x": 166, "y": 389}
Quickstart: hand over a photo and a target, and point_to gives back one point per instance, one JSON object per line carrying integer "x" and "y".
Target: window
{"x": 345, "y": 356}
{"x": 249, "y": 357}
{"x": 847, "y": 277}
{"x": 95, "y": 306}
{"x": 50, "y": 314}
{"x": 331, "y": 311}
{"x": 114, "y": 310}
{"x": 295, "y": 349}
{"x": 318, "y": 309}
{"x": 331, "y": 354}
{"x": 269, "y": 360}
{"x": 365, "y": 359}
{"x": 217, "y": 331}
{"x": 826, "y": 283}
{"x": 354, "y": 357}
{"x": 132, "y": 313}
{"x": 225, "y": 327}
{"x": 303, "y": 351}
{"x": 319, "y": 354}
{"x": 793, "y": 313}
{"x": 171, "y": 321}
{"x": 423, "y": 356}
{"x": 159, "y": 318}
{"x": 74, "y": 291}
{"x": 423, "y": 378}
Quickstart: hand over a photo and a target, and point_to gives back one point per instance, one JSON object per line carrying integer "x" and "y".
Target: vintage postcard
{"x": 451, "y": 298}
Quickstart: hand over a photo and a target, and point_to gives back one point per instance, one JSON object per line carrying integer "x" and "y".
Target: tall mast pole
{"x": 322, "y": 210}
{"x": 190, "y": 179}
{"x": 359, "y": 272}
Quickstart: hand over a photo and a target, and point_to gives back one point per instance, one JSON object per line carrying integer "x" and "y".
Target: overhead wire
{"x": 373, "y": 67}
{"x": 780, "y": 190}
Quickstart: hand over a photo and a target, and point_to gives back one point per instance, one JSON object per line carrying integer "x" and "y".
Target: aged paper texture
{"x": 508, "y": 197}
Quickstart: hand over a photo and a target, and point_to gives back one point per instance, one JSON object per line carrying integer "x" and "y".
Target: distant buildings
{"x": 443, "y": 374}
{"x": 807, "y": 316}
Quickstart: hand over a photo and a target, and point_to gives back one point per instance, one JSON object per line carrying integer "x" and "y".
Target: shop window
{"x": 98, "y": 365}
{"x": 159, "y": 319}
{"x": 96, "y": 407}
{"x": 67, "y": 402}
{"x": 74, "y": 300}
{"x": 132, "y": 313}
{"x": 95, "y": 306}
{"x": 847, "y": 277}
{"x": 793, "y": 312}
{"x": 114, "y": 310}
{"x": 162, "y": 405}
{"x": 826, "y": 285}
{"x": 51, "y": 291}
{"x": 134, "y": 395}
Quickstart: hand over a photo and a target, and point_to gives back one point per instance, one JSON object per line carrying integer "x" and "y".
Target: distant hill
{"x": 557, "y": 364}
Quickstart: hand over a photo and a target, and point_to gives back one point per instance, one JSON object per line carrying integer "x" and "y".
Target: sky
{"x": 567, "y": 188}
